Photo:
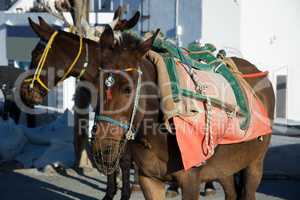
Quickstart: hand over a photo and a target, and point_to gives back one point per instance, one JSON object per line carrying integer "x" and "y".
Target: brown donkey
{"x": 128, "y": 77}
{"x": 71, "y": 55}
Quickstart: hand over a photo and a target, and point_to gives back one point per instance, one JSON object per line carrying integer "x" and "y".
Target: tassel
{"x": 108, "y": 94}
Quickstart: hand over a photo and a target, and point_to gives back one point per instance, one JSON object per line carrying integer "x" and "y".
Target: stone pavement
{"x": 281, "y": 180}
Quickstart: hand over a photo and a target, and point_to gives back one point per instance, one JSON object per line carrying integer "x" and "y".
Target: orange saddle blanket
{"x": 196, "y": 146}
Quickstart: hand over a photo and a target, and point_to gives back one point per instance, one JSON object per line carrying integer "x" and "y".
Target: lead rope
{"x": 69, "y": 69}
{"x": 86, "y": 62}
{"x": 130, "y": 135}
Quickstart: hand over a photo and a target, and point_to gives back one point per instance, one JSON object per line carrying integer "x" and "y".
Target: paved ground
{"x": 282, "y": 179}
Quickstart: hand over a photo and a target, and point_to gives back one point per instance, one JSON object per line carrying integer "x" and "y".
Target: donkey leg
{"x": 252, "y": 176}
{"x": 81, "y": 120}
{"x": 172, "y": 190}
{"x": 125, "y": 164}
{"x": 111, "y": 187}
{"x": 190, "y": 186}
{"x": 191, "y": 192}
{"x": 153, "y": 189}
{"x": 228, "y": 184}
{"x": 209, "y": 189}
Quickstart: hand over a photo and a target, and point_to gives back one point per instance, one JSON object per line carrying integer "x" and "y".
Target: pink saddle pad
{"x": 192, "y": 140}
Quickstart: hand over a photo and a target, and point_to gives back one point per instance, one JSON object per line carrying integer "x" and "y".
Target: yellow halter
{"x": 41, "y": 63}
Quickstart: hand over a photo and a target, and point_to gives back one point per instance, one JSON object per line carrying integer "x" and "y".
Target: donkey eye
{"x": 127, "y": 89}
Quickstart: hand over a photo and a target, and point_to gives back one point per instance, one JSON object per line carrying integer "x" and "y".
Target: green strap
{"x": 195, "y": 46}
{"x": 172, "y": 50}
{"x": 170, "y": 63}
{"x": 205, "y": 56}
{"x": 204, "y": 53}
{"x": 239, "y": 94}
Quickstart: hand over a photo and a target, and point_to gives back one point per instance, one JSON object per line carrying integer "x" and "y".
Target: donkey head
{"x": 123, "y": 71}
{"x": 56, "y": 57}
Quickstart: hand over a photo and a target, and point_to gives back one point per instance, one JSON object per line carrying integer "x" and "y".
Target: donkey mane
{"x": 75, "y": 37}
{"x": 129, "y": 40}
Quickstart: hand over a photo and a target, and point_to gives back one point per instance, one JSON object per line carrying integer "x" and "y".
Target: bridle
{"x": 41, "y": 64}
{"x": 107, "y": 158}
{"x": 129, "y": 128}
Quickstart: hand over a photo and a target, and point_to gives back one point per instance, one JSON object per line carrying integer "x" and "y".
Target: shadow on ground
{"x": 282, "y": 171}
{"x": 14, "y": 185}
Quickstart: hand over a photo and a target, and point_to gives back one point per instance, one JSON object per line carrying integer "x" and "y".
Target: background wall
{"x": 270, "y": 37}
{"x": 161, "y": 14}
{"x": 221, "y": 24}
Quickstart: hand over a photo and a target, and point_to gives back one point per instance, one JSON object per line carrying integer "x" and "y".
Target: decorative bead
{"x": 110, "y": 81}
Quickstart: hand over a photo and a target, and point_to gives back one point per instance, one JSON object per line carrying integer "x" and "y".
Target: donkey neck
{"x": 151, "y": 141}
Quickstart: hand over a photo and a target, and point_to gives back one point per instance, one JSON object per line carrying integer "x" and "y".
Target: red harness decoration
{"x": 109, "y": 94}
{"x": 255, "y": 75}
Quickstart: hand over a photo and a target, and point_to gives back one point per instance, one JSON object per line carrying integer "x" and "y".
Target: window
{"x": 281, "y": 94}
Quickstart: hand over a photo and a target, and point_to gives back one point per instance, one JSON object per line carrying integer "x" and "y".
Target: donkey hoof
{"x": 209, "y": 192}
{"x": 171, "y": 193}
{"x": 135, "y": 188}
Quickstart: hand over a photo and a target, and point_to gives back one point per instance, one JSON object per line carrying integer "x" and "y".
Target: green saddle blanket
{"x": 200, "y": 58}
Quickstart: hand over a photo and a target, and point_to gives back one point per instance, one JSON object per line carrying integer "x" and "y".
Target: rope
{"x": 208, "y": 128}
{"x": 86, "y": 62}
{"x": 42, "y": 61}
{"x": 74, "y": 61}
{"x": 130, "y": 134}
{"x": 41, "y": 64}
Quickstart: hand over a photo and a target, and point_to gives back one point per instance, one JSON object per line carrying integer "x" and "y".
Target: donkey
{"x": 66, "y": 45}
{"x": 64, "y": 53}
{"x": 154, "y": 150}
{"x": 8, "y": 77}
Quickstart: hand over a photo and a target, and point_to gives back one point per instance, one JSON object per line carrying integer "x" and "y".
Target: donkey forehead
{"x": 120, "y": 75}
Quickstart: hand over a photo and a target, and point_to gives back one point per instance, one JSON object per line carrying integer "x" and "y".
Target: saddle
{"x": 199, "y": 63}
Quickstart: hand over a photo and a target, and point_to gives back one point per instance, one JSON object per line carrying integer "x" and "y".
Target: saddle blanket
{"x": 189, "y": 117}
{"x": 195, "y": 144}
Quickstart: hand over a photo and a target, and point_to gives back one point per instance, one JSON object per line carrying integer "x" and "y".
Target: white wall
{"x": 3, "y": 56}
{"x": 24, "y": 5}
{"x": 69, "y": 91}
{"x": 221, "y": 23}
{"x": 270, "y": 38}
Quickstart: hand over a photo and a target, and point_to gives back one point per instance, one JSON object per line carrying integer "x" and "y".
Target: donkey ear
{"x": 145, "y": 46}
{"x": 133, "y": 21}
{"x": 42, "y": 33}
{"x": 118, "y": 13}
{"x": 44, "y": 25}
{"x": 107, "y": 37}
{"x": 127, "y": 24}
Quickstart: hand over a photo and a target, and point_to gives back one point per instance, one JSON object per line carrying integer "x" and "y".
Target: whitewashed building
{"x": 263, "y": 32}
{"x": 18, "y": 41}
{"x": 267, "y": 34}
